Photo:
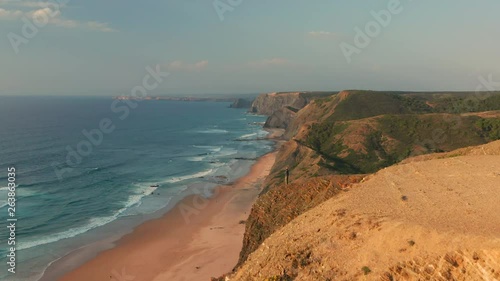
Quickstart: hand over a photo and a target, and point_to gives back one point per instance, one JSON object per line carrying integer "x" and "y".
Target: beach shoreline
{"x": 205, "y": 242}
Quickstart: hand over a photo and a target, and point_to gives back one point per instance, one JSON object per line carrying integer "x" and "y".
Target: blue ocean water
{"x": 62, "y": 198}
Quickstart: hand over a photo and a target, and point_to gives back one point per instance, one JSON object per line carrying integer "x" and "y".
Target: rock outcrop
{"x": 241, "y": 103}
{"x": 281, "y": 118}
{"x": 267, "y": 104}
{"x": 282, "y": 108}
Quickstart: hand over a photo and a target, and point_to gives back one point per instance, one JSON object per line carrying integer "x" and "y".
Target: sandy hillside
{"x": 435, "y": 219}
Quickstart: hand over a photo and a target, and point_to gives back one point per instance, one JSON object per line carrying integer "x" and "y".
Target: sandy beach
{"x": 198, "y": 239}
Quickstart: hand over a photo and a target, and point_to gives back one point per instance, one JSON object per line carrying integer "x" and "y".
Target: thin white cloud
{"x": 10, "y": 14}
{"x": 100, "y": 26}
{"x": 268, "y": 62}
{"x": 65, "y": 23}
{"x": 182, "y": 66}
{"x": 322, "y": 34}
{"x": 52, "y": 16}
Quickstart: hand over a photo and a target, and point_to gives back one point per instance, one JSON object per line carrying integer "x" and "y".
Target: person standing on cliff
{"x": 287, "y": 174}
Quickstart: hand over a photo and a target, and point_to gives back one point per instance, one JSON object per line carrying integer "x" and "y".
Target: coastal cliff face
{"x": 337, "y": 138}
{"x": 267, "y": 104}
{"x": 241, "y": 103}
{"x": 282, "y": 108}
{"x": 316, "y": 111}
{"x": 281, "y": 118}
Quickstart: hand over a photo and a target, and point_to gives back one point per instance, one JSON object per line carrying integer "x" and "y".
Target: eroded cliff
{"x": 267, "y": 104}
{"x": 354, "y": 132}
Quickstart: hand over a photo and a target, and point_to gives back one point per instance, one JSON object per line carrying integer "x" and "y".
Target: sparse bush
{"x": 366, "y": 270}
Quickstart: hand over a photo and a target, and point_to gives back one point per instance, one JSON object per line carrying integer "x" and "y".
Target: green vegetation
{"x": 366, "y": 270}
{"x": 389, "y": 139}
{"x": 292, "y": 109}
{"x": 402, "y": 125}
{"x": 316, "y": 95}
{"x": 490, "y": 128}
{"x": 363, "y": 104}
{"x": 471, "y": 103}
{"x": 435, "y": 133}
{"x": 321, "y": 137}
{"x": 323, "y": 101}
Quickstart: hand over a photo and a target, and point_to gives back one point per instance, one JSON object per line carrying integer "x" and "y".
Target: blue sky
{"x": 101, "y": 47}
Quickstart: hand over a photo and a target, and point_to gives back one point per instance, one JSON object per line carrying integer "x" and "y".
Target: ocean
{"x": 74, "y": 190}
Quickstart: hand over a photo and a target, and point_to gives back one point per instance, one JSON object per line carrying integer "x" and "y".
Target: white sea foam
{"x": 263, "y": 133}
{"x": 196, "y": 158}
{"x": 3, "y": 202}
{"x": 213, "y": 131}
{"x": 248, "y": 136}
{"x": 92, "y": 223}
{"x": 226, "y": 152}
{"x": 143, "y": 190}
{"x": 187, "y": 177}
{"x": 209, "y": 148}
{"x": 25, "y": 192}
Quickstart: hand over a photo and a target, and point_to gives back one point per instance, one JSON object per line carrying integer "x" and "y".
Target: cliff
{"x": 429, "y": 219}
{"x": 330, "y": 135}
{"x": 335, "y": 139}
{"x": 241, "y": 103}
{"x": 282, "y": 108}
{"x": 281, "y": 118}
{"x": 267, "y": 104}
{"x": 286, "y": 202}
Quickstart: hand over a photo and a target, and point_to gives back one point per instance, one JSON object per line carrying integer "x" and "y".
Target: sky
{"x": 103, "y": 47}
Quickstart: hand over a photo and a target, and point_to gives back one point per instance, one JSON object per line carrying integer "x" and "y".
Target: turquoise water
{"x": 62, "y": 200}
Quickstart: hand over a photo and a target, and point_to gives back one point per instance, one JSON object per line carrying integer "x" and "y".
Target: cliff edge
{"x": 435, "y": 219}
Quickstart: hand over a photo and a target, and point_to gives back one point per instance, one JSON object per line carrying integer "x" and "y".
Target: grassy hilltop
{"x": 368, "y": 131}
